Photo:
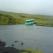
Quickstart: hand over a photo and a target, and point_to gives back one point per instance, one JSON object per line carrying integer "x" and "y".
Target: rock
{"x": 10, "y": 50}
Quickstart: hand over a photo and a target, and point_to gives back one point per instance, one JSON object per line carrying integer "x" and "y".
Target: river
{"x": 32, "y": 36}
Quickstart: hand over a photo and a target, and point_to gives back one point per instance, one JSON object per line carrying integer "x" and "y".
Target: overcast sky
{"x": 28, "y": 6}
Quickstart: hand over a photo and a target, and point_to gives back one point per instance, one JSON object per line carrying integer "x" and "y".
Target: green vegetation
{"x": 6, "y": 19}
{"x": 33, "y": 51}
{"x": 9, "y": 18}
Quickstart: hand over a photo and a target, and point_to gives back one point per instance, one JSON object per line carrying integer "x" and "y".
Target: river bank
{"x": 11, "y": 18}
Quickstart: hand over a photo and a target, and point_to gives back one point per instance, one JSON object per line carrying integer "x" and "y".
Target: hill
{"x": 11, "y": 18}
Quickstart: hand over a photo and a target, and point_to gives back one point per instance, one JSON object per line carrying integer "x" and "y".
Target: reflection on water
{"x": 32, "y": 36}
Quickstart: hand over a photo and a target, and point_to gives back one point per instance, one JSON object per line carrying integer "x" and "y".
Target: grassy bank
{"x": 9, "y": 18}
